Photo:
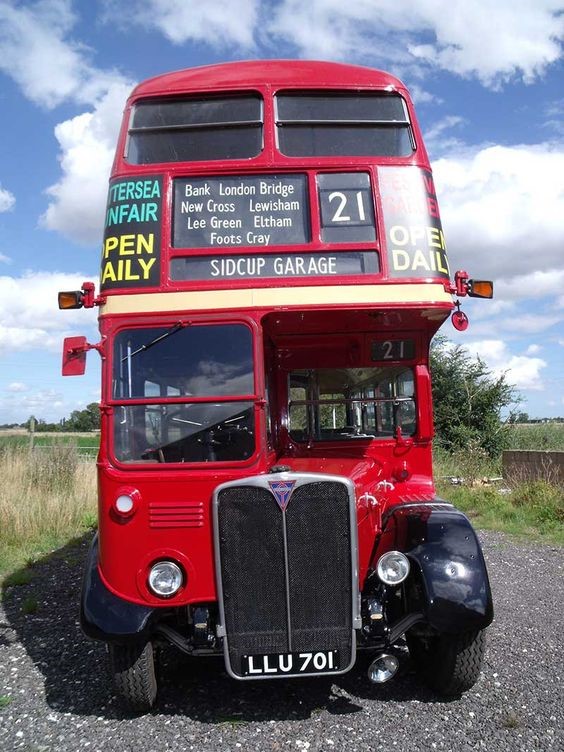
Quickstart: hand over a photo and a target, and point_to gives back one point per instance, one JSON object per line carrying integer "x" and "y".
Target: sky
{"x": 487, "y": 78}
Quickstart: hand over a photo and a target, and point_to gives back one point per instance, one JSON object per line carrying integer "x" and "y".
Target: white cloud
{"x": 554, "y": 113}
{"x": 494, "y": 40}
{"x": 5, "y": 259}
{"x": 29, "y": 316}
{"x": 7, "y": 200}
{"x": 533, "y": 349}
{"x": 438, "y": 129}
{"x": 17, "y": 386}
{"x": 522, "y": 371}
{"x": 87, "y": 144}
{"x": 440, "y": 140}
{"x": 521, "y": 38}
{"x": 51, "y": 69}
{"x": 45, "y": 404}
{"x": 220, "y": 24}
{"x": 529, "y": 323}
{"x": 536, "y": 284}
{"x": 502, "y": 210}
{"x": 330, "y": 29}
{"x": 488, "y": 309}
{"x": 36, "y": 54}
{"x": 422, "y": 96}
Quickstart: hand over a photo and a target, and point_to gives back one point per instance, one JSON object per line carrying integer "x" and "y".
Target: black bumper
{"x": 104, "y": 616}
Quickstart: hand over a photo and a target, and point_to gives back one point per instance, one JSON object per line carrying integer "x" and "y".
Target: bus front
{"x": 273, "y": 270}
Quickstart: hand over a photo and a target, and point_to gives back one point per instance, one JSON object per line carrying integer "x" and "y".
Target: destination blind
{"x": 257, "y": 210}
{"x": 274, "y": 265}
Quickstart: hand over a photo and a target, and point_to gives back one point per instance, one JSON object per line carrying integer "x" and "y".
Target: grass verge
{"x": 46, "y": 498}
{"x": 533, "y": 508}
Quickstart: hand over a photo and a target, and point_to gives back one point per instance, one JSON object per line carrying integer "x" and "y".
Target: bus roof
{"x": 302, "y": 73}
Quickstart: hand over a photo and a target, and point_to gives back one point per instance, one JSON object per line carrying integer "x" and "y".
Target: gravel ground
{"x": 54, "y": 693}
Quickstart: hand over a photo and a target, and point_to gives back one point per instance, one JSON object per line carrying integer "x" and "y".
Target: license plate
{"x": 281, "y": 664}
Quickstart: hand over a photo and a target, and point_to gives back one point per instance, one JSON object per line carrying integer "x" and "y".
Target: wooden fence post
{"x": 31, "y": 434}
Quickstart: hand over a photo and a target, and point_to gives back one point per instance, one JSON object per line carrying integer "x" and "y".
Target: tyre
{"x": 133, "y": 674}
{"x": 448, "y": 663}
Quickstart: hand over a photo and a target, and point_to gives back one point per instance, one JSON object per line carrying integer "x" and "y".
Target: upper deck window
{"x": 338, "y": 124}
{"x": 195, "y": 130}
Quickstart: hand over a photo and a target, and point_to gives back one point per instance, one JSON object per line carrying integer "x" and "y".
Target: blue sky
{"x": 488, "y": 81}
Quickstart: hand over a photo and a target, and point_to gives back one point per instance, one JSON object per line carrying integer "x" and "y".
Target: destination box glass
{"x": 258, "y": 210}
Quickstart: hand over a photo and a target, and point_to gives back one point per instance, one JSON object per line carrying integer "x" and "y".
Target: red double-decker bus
{"x": 273, "y": 270}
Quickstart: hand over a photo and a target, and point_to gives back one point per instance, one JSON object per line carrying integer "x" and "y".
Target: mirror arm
{"x": 463, "y": 286}
{"x": 90, "y": 299}
{"x": 78, "y": 349}
{"x": 460, "y": 286}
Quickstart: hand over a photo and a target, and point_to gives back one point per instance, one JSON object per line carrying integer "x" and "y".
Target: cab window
{"x": 184, "y": 394}
{"x": 351, "y": 403}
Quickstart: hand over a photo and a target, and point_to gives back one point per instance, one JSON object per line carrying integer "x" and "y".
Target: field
{"x": 536, "y": 436}
{"x": 48, "y": 495}
{"x": 46, "y": 499}
{"x": 85, "y": 443}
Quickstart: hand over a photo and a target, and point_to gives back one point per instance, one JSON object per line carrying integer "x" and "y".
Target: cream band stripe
{"x": 273, "y": 297}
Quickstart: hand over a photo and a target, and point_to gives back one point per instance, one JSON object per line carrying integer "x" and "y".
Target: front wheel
{"x": 133, "y": 673}
{"x": 448, "y": 663}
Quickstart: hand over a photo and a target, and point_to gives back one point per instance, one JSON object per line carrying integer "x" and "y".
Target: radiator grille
{"x": 255, "y": 587}
{"x": 319, "y": 553}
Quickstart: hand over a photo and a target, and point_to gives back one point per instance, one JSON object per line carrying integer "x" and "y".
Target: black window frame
{"x": 211, "y": 126}
{"x": 282, "y": 123}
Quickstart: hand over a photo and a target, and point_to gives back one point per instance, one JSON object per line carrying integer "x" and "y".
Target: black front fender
{"x": 443, "y": 547}
{"x": 104, "y": 616}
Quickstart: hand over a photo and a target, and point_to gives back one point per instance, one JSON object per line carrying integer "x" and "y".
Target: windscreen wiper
{"x": 176, "y": 328}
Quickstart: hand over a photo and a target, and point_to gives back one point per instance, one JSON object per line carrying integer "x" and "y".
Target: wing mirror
{"x": 74, "y": 355}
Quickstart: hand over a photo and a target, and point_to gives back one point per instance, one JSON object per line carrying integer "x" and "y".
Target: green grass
{"x": 471, "y": 464}
{"x": 534, "y": 509}
{"x": 85, "y": 443}
{"x": 232, "y": 721}
{"x": 19, "y": 577}
{"x": 5, "y": 700}
{"x": 46, "y": 499}
{"x": 13, "y": 441}
{"x": 30, "y": 605}
{"x": 535, "y": 436}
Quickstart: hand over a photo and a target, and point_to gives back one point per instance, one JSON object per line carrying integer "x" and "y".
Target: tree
{"x": 468, "y": 399}
{"x": 519, "y": 417}
{"x": 84, "y": 420}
